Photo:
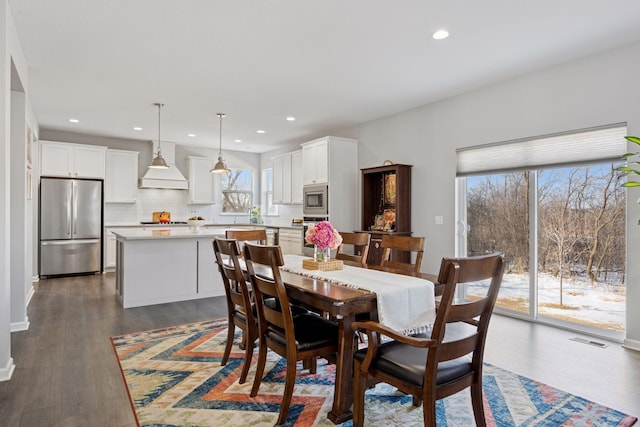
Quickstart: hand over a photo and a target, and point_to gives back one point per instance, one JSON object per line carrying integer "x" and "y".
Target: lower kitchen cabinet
{"x": 290, "y": 240}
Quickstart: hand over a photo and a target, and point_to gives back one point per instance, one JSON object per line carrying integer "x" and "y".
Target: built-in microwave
{"x": 315, "y": 200}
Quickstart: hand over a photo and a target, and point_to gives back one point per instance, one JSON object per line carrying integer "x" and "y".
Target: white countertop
{"x": 161, "y": 233}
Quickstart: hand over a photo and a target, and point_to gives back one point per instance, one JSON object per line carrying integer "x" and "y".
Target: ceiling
{"x": 332, "y": 64}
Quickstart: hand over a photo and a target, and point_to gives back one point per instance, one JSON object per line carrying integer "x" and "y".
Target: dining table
{"x": 343, "y": 302}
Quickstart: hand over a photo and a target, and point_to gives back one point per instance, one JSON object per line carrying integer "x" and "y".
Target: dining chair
{"x": 239, "y": 307}
{"x": 257, "y": 236}
{"x": 401, "y": 243}
{"x": 358, "y": 242}
{"x": 304, "y": 337}
{"x": 449, "y": 360}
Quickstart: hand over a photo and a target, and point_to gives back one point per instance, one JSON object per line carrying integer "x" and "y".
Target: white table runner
{"x": 405, "y": 303}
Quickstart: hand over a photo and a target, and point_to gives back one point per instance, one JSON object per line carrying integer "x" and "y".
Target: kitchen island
{"x": 156, "y": 265}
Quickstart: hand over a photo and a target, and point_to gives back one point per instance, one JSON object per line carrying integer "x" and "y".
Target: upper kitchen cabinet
{"x": 287, "y": 178}
{"x": 72, "y": 160}
{"x": 121, "y": 180}
{"x": 333, "y": 161}
{"x": 296, "y": 177}
{"x": 315, "y": 161}
{"x": 201, "y": 188}
{"x": 325, "y": 156}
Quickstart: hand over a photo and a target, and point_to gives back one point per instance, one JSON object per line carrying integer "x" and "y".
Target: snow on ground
{"x": 581, "y": 302}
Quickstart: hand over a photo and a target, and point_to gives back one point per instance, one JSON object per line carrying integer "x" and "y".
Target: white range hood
{"x": 170, "y": 178}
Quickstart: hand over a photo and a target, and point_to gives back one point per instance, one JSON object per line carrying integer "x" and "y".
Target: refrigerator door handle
{"x": 67, "y": 242}
{"x": 69, "y": 208}
{"x": 74, "y": 196}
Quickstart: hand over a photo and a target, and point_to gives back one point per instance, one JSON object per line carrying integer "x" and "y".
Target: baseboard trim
{"x": 29, "y": 295}
{"x": 7, "y": 371}
{"x": 20, "y": 326}
{"x": 631, "y": 344}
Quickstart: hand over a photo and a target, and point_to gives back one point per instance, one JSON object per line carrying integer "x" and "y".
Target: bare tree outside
{"x": 581, "y": 239}
{"x": 237, "y": 194}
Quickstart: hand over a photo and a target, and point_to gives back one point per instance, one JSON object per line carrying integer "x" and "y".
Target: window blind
{"x": 595, "y": 144}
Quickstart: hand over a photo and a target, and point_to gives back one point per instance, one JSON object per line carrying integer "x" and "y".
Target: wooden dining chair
{"x": 256, "y": 236}
{"x": 304, "y": 337}
{"x": 239, "y": 307}
{"x": 401, "y": 243}
{"x": 444, "y": 363}
{"x": 357, "y": 242}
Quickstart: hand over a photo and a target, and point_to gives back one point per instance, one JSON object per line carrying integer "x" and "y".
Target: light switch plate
{"x": 439, "y": 220}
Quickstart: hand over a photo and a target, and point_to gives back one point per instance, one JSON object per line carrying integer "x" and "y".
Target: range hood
{"x": 170, "y": 178}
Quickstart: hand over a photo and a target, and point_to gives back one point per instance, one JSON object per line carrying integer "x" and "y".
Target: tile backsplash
{"x": 177, "y": 202}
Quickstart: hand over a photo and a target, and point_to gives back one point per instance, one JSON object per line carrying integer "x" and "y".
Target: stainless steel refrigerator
{"x": 70, "y": 226}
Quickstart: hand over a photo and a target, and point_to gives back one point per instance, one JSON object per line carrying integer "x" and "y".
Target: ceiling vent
{"x": 170, "y": 178}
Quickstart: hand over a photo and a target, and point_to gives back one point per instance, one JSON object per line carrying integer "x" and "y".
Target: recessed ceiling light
{"x": 138, "y": 128}
{"x": 237, "y": 140}
{"x": 291, "y": 119}
{"x": 74, "y": 120}
{"x": 260, "y": 131}
{"x": 191, "y": 135}
{"x": 441, "y": 34}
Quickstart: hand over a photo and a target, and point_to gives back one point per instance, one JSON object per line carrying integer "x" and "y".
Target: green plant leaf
{"x": 624, "y": 169}
{"x": 633, "y": 139}
{"x": 631, "y": 184}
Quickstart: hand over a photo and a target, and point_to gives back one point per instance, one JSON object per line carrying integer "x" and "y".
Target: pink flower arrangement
{"x": 323, "y": 235}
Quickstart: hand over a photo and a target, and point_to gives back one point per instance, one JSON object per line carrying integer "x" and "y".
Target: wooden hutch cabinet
{"x": 386, "y": 207}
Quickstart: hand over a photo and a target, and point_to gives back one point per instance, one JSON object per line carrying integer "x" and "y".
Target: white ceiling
{"x": 330, "y": 63}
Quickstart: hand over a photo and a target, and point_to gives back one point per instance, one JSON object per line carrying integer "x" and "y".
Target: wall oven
{"x": 315, "y": 200}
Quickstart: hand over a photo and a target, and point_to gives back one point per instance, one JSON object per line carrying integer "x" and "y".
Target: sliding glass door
{"x": 563, "y": 234}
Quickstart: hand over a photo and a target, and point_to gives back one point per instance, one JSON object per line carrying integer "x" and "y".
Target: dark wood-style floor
{"x": 67, "y": 375}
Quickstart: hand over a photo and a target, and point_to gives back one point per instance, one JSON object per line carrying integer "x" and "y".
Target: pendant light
{"x": 158, "y": 162}
{"x": 220, "y": 166}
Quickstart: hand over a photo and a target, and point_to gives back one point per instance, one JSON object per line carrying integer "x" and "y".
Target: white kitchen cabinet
{"x": 287, "y": 178}
{"x": 121, "y": 177}
{"x": 334, "y": 161}
{"x": 282, "y": 179}
{"x": 290, "y": 240}
{"x": 201, "y": 184}
{"x": 110, "y": 251}
{"x": 296, "y": 177}
{"x": 315, "y": 161}
{"x": 72, "y": 160}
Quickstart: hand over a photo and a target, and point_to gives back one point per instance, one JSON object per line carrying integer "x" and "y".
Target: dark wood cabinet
{"x": 386, "y": 206}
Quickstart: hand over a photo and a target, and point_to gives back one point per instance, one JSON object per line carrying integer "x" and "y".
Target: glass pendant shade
{"x": 159, "y": 162}
{"x": 220, "y": 166}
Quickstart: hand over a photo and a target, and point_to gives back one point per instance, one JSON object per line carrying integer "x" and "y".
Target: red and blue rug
{"x": 174, "y": 378}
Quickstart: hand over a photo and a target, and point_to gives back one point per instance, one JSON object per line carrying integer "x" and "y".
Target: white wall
{"x": 593, "y": 91}
{"x": 10, "y": 53}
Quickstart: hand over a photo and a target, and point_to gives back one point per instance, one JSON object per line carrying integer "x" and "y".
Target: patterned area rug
{"x": 174, "y": 378}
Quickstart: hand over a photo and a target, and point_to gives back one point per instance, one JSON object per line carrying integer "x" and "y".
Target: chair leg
{"x": 429, "y": 411}
{"x": 289, "y": 383}
{"x": 478, "y": 404}
{"x": 262, "y": 360}
{"x": 248, "y": 353}
{"x": 359, "y": 387}
{"x": 231, "y": 329}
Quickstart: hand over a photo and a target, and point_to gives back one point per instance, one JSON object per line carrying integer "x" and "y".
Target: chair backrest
{"x": 465, "y": 323}
{"x": 359, "y": 242}
{"x": 258, "y": 236}
{"x": 235, "y": 286}
{"x": 401, "y": 243}
{"x": 242, "y": 236}
{"x": 263, "y": 264}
